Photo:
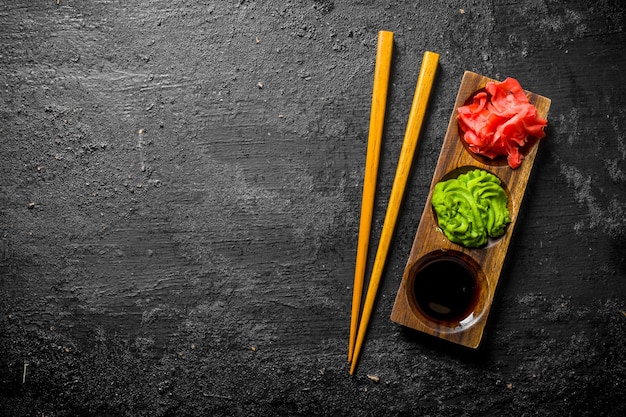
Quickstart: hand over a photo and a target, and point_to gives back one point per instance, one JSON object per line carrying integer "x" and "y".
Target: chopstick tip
{"x": 352, "y": 367}
{"x": 385, "y": 35}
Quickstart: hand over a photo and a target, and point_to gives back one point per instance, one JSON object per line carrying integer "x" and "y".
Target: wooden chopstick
{"x": 377, "y": 118}
{"x": 414, "y": 125}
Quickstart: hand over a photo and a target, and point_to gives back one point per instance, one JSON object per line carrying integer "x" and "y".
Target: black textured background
{"x": 180, "y": 186}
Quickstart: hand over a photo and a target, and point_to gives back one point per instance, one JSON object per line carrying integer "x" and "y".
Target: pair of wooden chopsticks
{"x": 425, "y": 80}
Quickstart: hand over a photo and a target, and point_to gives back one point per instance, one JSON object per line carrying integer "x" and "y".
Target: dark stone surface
{"x": 179, "y": 198}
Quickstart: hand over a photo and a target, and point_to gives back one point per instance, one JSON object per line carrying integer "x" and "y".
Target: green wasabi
{"x": 471, "y": 208}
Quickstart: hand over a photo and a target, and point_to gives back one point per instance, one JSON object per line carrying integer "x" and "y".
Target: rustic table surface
{"x": 180, "y": 191}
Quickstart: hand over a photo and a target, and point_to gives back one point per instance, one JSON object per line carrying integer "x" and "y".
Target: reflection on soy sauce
{"x": 445, "y": 290}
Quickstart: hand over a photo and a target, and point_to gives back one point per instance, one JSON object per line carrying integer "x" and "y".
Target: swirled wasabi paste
{"x": 471, "y": 208}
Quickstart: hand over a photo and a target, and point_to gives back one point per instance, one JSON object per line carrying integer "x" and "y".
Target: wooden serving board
{"x": 447, "y": 289}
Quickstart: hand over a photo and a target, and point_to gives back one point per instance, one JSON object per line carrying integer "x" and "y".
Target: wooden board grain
{"x": 431, "y": 245}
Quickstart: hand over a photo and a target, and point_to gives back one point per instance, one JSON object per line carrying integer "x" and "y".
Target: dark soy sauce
{"x": 445, "y": 290}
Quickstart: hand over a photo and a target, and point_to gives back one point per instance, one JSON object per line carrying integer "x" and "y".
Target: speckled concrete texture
{"x": 179, "y": 204}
